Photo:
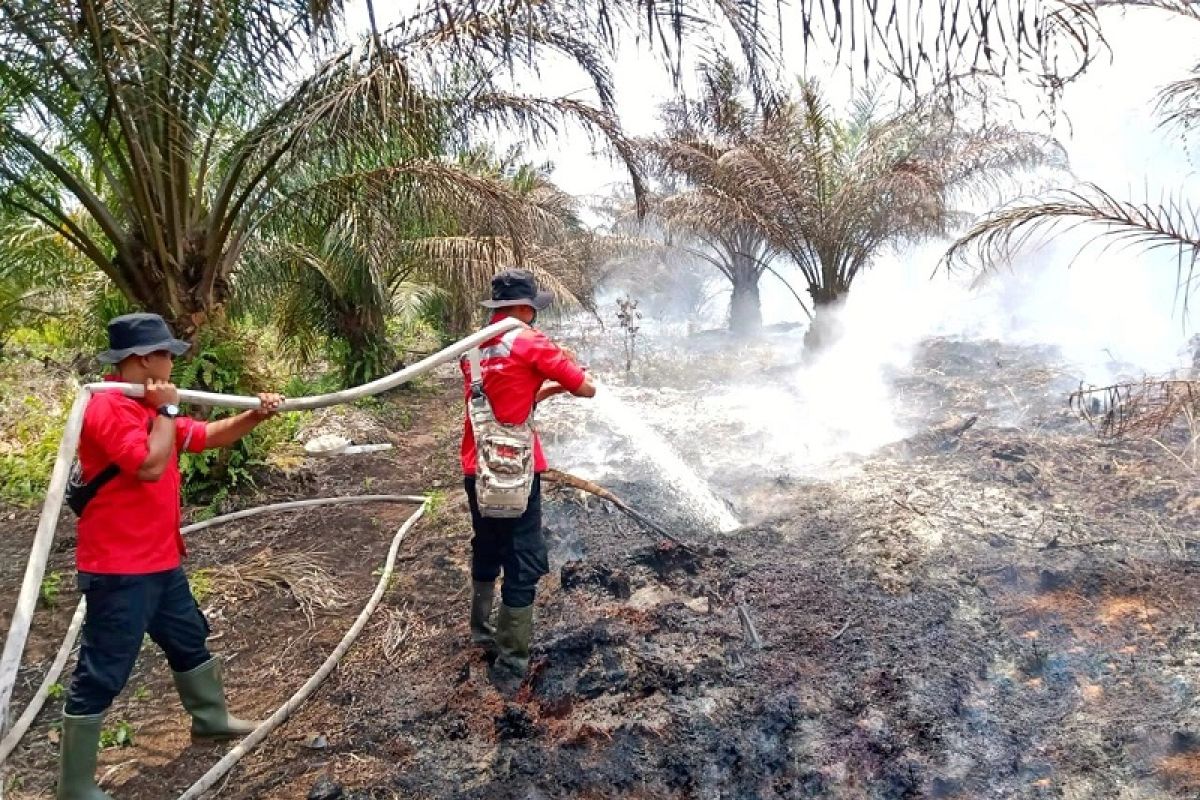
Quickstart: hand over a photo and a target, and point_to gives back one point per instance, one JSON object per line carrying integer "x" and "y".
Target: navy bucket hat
{"x": 517, "y": 287}
{"x": 138, "y": 335}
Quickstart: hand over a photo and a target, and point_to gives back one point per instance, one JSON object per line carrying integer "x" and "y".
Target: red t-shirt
{"x": 131, "y": 527}
{"x": 514, "y": 367}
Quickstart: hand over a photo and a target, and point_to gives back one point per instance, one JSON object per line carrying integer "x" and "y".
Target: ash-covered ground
{"x": 941, "y": 608}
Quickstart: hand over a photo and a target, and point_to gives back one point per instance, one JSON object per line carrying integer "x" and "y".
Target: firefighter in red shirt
{"x": 129, "y": 551}
{"x": 516, "y": 368}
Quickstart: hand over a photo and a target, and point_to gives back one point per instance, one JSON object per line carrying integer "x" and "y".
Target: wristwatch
{"x": 169, "y": 410}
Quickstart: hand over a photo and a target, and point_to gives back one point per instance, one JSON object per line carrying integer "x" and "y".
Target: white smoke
{"x": 1111, "y": 314}
{"x": 1109, "y": 318}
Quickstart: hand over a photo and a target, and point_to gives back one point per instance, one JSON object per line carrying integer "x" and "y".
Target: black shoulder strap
{"x": 79, "y": 495}
{"x": 106, "y": 475}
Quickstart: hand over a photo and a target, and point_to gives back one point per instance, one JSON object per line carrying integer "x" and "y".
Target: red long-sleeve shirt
{"x": 515, "y": 365}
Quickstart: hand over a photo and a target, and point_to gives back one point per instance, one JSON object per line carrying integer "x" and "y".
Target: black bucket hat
{"x": 137, "y": 335}
{"x": 517, "y": 287}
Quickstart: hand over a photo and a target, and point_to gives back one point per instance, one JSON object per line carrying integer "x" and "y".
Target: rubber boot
{"x": 514, "y": 629}
{"x": 483, "y": 633}
{"x": 203, "y": 696}
{"x": 77, "y": 758}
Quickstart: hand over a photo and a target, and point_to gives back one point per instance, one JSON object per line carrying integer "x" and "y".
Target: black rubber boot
{"x": 77, "y": 758}
{"x": 203, "y": 695}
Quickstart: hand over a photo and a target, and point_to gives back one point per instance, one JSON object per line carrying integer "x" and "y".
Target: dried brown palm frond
{"x": 1172, "y": 224}
{"x": 299, "y": 575}
{"x": 465, "y": 265}
{"x": 1137, "y": 409}
{"x": 1178, "y": 103}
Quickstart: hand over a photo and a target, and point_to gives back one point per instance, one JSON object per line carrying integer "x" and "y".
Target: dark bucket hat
{"x": 137, "y": 335}
{"x": 517, "y": 287}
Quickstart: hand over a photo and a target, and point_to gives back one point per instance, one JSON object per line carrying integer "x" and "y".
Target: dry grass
{"x": 404, "y": 632}
{"x": 1143, "y": 408}
{"x": 299, "y": 575}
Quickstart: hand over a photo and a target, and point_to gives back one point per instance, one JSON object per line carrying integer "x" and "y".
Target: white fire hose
{"x": 14, "y": 644}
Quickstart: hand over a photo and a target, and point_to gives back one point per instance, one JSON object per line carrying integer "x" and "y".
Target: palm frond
{"x": 829, "y": 193}
{"x": 1171, "y": 224}
{"x": 1178, "y": 103}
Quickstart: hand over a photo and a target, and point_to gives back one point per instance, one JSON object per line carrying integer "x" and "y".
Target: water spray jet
{"x": 683, "y": 479}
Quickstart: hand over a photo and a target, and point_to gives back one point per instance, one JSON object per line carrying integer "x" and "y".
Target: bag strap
{"x": 475, "y": 361}
{"x": 476, "y": 369}
{"x": 106, "y": 475}
{"x": 78, "y": 495}
{"x": 113, "y": 470}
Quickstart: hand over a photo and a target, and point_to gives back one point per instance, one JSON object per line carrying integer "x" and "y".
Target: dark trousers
{"x": 512, "y": 546}
{"x": 121, "y": 610}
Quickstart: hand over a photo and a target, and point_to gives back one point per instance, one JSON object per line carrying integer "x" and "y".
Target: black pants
{"x": 121, "y": 610}
{"x": 514, "y": 546}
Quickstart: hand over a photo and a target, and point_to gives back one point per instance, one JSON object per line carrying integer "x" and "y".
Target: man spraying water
{"x": 502, "y": 462}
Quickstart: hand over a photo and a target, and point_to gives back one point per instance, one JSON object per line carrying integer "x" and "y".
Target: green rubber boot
{"x": 77, "y": 758}
{"x": 203, "y": 696}
{"x": 514, "y": 629}
{"x": 483, "y": 632}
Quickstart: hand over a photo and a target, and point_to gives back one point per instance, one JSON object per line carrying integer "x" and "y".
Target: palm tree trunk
{"x": 745, "y": 306}
{"x": 369, "y": 354}
{"x": 174, "y": 290}
{"x": 825, "y": 328}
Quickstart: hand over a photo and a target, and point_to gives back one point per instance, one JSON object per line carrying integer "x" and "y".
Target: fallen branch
{"x": 909, "y": 507}
{"x": 957, "y": 427}
{"x": 1053, "y": 544}
{"x": 1142, "y": 408}
{"x": 748, "y": 628}
{"x": 566, "y": 479}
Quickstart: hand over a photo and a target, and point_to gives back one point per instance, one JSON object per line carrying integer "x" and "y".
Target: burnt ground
{"x": 1003, "y": 612}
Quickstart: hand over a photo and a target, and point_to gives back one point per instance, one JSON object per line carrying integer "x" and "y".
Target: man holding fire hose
{"x": 510, "y": 378}
{"x": 129, "y": 551}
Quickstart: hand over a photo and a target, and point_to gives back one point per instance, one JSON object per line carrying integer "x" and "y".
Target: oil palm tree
{"x": 172, "y": 126}
{"x": 724, "y": 116}
{"x": 36, "y": 269}
{"x": 347, "y": 274}
{"x": 179, "y": 129}
{"x": 829, "y": 194}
